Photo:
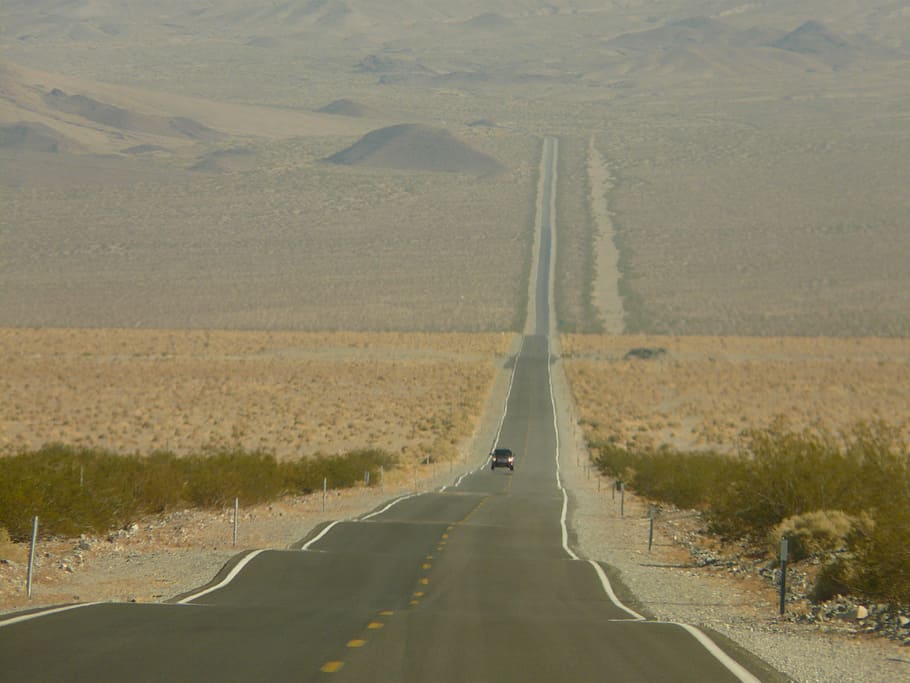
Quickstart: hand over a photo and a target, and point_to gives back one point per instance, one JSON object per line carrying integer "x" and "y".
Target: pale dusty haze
{"x": 173, "y": 164}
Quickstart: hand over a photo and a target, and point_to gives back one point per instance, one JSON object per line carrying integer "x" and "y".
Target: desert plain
{"x": 308, "y": 226}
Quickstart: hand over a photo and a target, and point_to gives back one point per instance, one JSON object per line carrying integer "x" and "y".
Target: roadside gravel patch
{"x": 669, "y": 586}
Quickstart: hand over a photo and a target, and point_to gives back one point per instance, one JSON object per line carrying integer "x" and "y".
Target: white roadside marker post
{"x": 236, "y": 515}
{"x": 31, "y": 557}
{"x": 783, "y": 574}
{"x": 325, "y": 488}
{"x": 650, "y": 526}
{"x": 622, "y": 499}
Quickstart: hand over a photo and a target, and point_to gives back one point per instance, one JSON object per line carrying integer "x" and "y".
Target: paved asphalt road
{"x": 470, "y": 584}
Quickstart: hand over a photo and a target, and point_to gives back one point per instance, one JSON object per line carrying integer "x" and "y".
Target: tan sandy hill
{"x": 416, "y": 147}
{"x": 227, "y": 160}
{"x": 104, "y": 118}
{"x": 90, "y": 109}
{"x": 347, "y": 107}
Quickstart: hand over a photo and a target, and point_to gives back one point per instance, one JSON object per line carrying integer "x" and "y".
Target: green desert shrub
{"x": 79, "y": 490}
{"x": 885, "y": 556}
{"x": 845, "y": 495}
{"x": 785, "y": 474}
{"x": 686, "y": 480}
{"x": 837, "y": 577}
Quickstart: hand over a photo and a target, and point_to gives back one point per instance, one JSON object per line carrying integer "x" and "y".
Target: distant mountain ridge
{"x": 706, "y": 46}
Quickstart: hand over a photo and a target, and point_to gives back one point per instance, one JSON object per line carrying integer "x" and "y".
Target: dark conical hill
{"x": 416, "y": 147}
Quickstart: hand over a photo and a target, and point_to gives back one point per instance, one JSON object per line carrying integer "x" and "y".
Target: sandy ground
{"x": 606, "y": 280}
{"x": 136, "y": 391}
{"x": 707, "y": 392}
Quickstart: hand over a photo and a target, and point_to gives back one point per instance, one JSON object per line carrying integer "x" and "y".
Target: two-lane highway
{"x": 472, "y": 583}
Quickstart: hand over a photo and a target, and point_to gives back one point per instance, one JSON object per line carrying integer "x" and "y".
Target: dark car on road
{"x": 502, "y": 457}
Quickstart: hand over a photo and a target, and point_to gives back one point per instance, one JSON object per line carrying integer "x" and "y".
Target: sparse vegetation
{"x": 843, "y": 499}
{"x": 704, "y": 392}
{"x": 291, "y": 394}
{"x": 82, "y": 490}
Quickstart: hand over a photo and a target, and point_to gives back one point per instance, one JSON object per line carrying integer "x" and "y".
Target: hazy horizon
{"x": 169, "y": 166}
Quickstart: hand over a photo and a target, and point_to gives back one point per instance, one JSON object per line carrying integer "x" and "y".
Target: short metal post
{"x": 31, "y": 557}
{"x": 382, "y": 478}
{"x": 783, "y": 574}
{"x": 236, "y": 515}
{"x": 366, "y": 477}
{"x": 325, "y": 488}
{"x": 650, "y": 526}
{"x": 622, "y": 499}
{"x": 81, "y": 476}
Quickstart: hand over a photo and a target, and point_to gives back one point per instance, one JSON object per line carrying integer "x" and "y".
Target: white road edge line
{"x": 372, "y": 514}
{"x": 735, "y": 667}
{"x": 726, "y": 660}
{"x": 246, "y": 560}
{"x": 44, "y": 613}
{"x": 227, "y": 579}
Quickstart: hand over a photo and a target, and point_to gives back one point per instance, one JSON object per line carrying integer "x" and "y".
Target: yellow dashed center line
{"x": 356, "y": 643}
{"x": 386, "y": 613}
{"x": 375, "y": 625}
{"x": 331, "y": 667}
{"x": 424, "y": 582}
{"x": 425, "y": 565}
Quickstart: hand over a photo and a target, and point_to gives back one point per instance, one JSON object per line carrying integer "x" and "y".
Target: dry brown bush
{"x": 819, "y": 533}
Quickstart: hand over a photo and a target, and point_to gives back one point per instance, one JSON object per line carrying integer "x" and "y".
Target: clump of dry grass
{"x": 820, "y": 533}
